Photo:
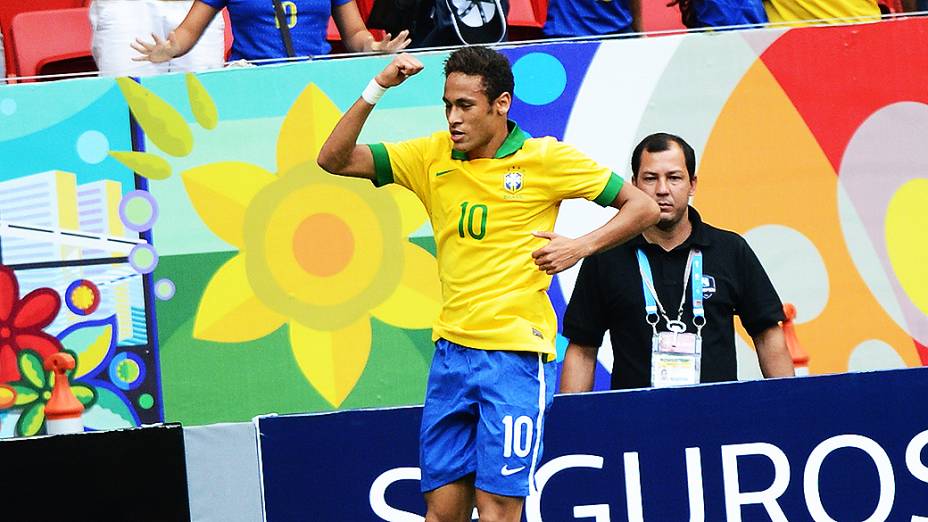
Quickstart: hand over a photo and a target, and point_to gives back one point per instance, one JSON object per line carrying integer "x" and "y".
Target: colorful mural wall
{"x": 74, "y": 242}
{"x": 209, "y": 271}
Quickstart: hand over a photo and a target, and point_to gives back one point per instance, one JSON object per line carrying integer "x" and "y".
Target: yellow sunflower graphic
{"x": 318, "y": 252}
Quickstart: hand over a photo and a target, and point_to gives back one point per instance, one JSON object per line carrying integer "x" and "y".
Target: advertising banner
{"x": 842, "y": 447}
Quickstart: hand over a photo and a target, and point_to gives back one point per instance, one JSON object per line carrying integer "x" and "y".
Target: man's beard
{"x": 670, "y": 223}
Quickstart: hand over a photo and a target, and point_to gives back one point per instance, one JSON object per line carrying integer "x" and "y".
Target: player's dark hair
{"x": 493, "y": 67}
{"x": 660, "y": 142}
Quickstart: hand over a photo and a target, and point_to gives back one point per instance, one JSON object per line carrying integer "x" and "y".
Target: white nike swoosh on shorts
{"x": 505, "y": 471}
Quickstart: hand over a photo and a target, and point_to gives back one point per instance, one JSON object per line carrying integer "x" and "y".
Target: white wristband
{"x": 373, "y": 92}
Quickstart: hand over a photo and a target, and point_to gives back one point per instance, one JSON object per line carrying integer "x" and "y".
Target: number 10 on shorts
{"x": 517, "y": 436}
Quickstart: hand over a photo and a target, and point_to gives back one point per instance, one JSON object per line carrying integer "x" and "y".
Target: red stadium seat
{"x": 331, "y": 33}
{"x": 524, "y": 13}
{"x": 333, "y": 36}
{"x": 11, "y": 8}
{"x": 541, "y": 10}
{"x": 34, "y": 47}
{"x": 364, "y": 7}
{"x": 229, "y": 38}
{"x": 891, "y": 6}
{"x": 656, "y": 16}
{"x": 526, "y": 18}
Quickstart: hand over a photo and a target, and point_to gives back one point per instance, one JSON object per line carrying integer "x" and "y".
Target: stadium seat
{"x": 526, "y": 18}
{"x": 11, "y": 8}
{"x": 334, "y": 38}
{"x": 891, "y": 6}
{"x": 34, "y": 47}
{"x": 364, "y": 7}
{"x": 331, "y": 32}
{"x": 656, "y": 16}
{"x": 524, "y": 13}
{"x": 229, "y": 38}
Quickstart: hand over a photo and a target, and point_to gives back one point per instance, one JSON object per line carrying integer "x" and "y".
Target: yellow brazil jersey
{"x": 483, "y": 213}
{"x": 795, "y": 10}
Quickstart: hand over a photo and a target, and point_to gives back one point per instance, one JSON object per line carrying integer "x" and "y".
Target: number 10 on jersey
{"x": 475, "y": 217}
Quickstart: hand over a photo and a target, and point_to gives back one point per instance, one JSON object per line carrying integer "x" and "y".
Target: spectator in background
{"x": 467, "y": 22}
{"x": 720, "y": 13}
{"x": 832, "y": 11}
{"x": 663, "y": 332}
{"x": 2, "y": 62}
{"x": 116, "y": 24}
{"x": 257, "y": 34}
{"x": 592, "y": 17}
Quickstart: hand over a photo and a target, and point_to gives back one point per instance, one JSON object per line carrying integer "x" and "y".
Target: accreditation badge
{"x": 675, "y": 359}
{"x": 675, "y": 354}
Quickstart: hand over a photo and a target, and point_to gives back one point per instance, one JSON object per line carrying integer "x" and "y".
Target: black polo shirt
{"x": 608, "y": 296}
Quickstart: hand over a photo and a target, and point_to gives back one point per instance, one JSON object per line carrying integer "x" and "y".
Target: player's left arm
{"x": 637, "y": 212}
{"x": 772, "y": 353}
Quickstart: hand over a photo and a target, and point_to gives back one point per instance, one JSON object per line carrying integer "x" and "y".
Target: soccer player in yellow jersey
{"x": 492, "y": 193}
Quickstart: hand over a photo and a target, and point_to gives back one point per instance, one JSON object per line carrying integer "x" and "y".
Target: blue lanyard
{"x": 698, "y": 310}
{"x": 650, "y": 305}
{"x": 652, "y": 302}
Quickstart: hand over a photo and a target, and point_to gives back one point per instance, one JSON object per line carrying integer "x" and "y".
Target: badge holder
{"x": 676, "y": 354}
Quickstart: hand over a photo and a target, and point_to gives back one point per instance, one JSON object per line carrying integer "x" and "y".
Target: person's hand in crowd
{"x": 403, "y": 66}
{"x": 392, "y": 45}
{"x": 157, "y": 52}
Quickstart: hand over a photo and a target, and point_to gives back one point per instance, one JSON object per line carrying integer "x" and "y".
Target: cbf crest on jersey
{"x": 512, "y": 182}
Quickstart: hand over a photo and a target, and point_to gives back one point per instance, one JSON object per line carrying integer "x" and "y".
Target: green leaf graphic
{"x": 24, "y": 394}
{"x": 30, "y": 366}
{"x": 109, "y": 412}
{"x": 204, "y": 110}
{"x": 163, "y": 125}
{"x": 85, "y": 394}
{"x": 144, "y": 164}
{"x": 31, "y": 421}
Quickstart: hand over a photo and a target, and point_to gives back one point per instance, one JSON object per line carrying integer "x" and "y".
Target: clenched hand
{"x": 559, "y": 254}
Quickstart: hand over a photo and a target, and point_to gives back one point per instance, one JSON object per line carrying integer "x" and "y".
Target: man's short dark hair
{"x": 660, "y": 142}
{"x": 492, "y": 66}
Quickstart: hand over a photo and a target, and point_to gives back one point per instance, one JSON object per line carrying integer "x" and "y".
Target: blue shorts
{"x": 484, "y": 414}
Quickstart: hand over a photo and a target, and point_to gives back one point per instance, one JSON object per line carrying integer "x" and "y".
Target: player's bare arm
{"x": 341, "y": 154}
{"x": 637, "y": 212}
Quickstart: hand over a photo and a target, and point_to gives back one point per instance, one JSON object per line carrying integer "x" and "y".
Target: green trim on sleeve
{"x": 613, "y": 186}
{"x": 383, "y": 171}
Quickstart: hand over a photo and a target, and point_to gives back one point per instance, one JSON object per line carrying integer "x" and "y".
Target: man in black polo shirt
{"x": 642, "y": 292}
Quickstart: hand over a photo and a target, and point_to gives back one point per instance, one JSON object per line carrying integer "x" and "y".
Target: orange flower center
{"x": 323, "y": 245}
